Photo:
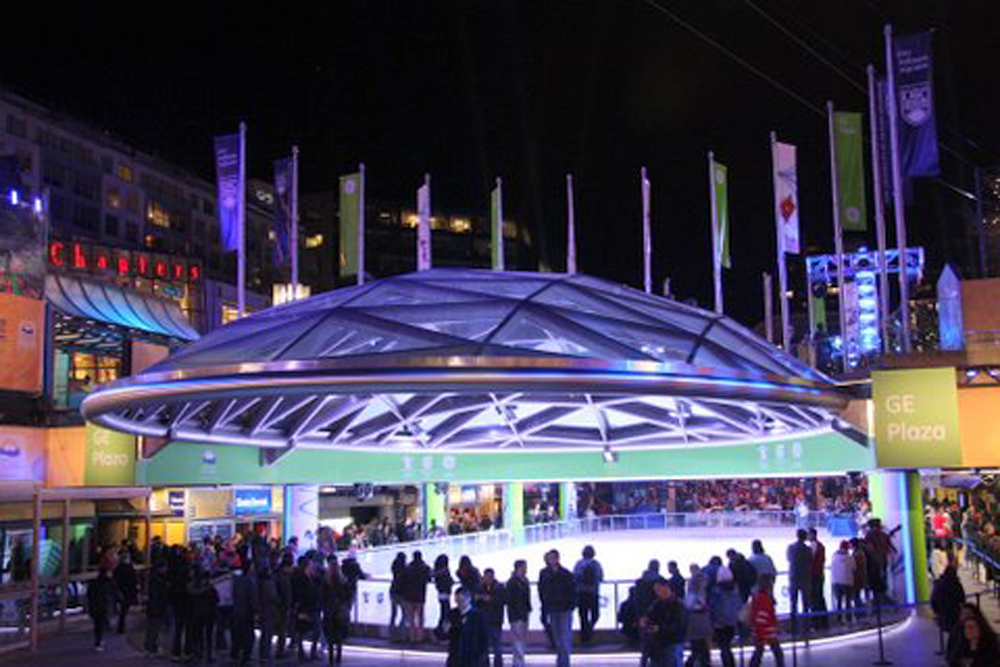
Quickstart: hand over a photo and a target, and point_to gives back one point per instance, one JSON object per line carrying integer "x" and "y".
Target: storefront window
{"x": 88, "y": 370}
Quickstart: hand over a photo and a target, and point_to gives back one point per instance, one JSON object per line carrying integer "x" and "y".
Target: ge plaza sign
{"x": 916, "y": 418}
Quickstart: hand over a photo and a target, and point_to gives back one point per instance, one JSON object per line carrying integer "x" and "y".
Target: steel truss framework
{"x": 462, "y": 359}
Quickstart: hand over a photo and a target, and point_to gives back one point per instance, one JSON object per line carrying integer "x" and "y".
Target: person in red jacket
{"x": 764, "y": 623}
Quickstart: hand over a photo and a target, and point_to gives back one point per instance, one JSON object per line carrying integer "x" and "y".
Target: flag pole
{"x": 241, "y": 250}
{"x": 768, "y": 307}
{"x": 570, "y": 227}
{"x": 716, "y": 241}
{"x": 838, "y": 235}
{"x": 293, "y": 240}
{"x": 499, "y": 258}
{"x": 361, "y": 224}
{"x": 883, "y": 265}
{"x": 424, "y": 225}
{"x": 647, "y": 242}
{"x": 786, "y": 337}
{"x": 897, "y": 188}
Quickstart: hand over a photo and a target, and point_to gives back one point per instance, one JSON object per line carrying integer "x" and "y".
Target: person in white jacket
{"x": 842, "y": 566}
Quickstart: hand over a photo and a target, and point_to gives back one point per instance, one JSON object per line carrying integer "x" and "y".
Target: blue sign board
{"x": 252, "y": 501}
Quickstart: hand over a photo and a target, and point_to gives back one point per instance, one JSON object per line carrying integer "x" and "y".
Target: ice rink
{"x": 623, "y": 554}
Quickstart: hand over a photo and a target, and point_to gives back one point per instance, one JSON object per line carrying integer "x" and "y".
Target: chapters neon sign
{"x": 96, "y": 259}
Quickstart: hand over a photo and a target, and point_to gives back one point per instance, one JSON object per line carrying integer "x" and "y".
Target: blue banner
{"x": 251, "y": 501}
{"x": 282, "y": 210}
{"x": 230, "y": 189}
{"x": 913, "y": 62}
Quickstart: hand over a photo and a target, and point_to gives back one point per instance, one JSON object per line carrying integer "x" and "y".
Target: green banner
{"x": 817, "y": 313}
{"x": 110, "y": 458}
{"x": 496, "y": 227}
{"x": 916, "y": 418}
{"x": 850, "y": 171}
{"x": 350, "y": 192}
{"x": 183, "y": 464}
{"x": 721, "y": 181}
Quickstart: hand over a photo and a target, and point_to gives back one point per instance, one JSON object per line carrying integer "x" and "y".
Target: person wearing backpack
{"x": 588, "y": 575}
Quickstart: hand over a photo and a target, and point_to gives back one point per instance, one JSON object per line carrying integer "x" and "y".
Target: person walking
{"x": 976, "y": 644}
{"x": 177, "y": 578}
{"x": 397, "y": 615}
{"x": 491, "y": 600}
{"x": 588, "y": 575}
{"x": 764, "y": 623}
{"x": 416, "y": 577}
{"x": 699, "y": 627}
{"x": 467, "y": 641}
{"x": 665, "y": 626}
{"x": 334, "y": 605}
{"x": 283, "y": 609}
{"x": 842, "y": 567}
{"x": 305, "y": 603}
{"x": 518, "y": 610}
{"x": 128, "y": 586}
{"x": 761, "y": 562}
{"x": 443, "y": 583}
{"x": 201, "y": 616}
{"x": 157, "y": 604}
{"x": 817, "y": 580}
{"x": 101, "y": 596}
{"x": 246, "y": 605}
{"x": 556, "y": 589}
{"x": 800, "y": 562}
{"x": 946, "y": 600}
{"x": 724, "y": 608}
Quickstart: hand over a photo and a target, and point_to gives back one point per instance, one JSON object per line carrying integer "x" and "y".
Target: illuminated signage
{"x": 252, "y": 501}
{"x": 124, "y": 263}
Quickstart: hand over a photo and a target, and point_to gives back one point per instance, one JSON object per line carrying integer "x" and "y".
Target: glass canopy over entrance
{"x": 454, "y": 359}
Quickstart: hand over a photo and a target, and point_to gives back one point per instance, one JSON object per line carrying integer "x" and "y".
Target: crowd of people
{"x": 837, "y": 495}
{"x": 209, "y": 598}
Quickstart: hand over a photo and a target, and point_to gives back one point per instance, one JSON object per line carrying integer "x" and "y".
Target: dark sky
{"x": 469, "y": 90}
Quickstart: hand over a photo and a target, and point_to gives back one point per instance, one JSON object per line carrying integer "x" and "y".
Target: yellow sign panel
{"x": 978, "y": 408}
{"x": 22, "y": 342}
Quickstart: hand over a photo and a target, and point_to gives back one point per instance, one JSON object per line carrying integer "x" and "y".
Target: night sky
{"x": 471, "y": 90}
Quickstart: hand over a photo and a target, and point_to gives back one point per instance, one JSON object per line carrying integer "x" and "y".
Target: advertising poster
{"x": 22, "y": 343}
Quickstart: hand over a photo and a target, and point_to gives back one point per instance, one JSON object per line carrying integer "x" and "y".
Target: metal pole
{"x": 361, "y": 224}
{"x": 570, "y": 227}
{"x": 241, "y": 250}
{"x": 769, "y": 307}
{"x": 786, "y": 336}
{"x": 716, "y": 241}
{"x": 36, "y": 535}
{"x": 647, "y": 242}
{"x": 897, "y": 187}
{"x": 64, "y": 566}
{"x": 838, "y": 235}
{"x": 500, "y": 257}
{"x": 883, "y": 263}
{"x": 294, "y": 240}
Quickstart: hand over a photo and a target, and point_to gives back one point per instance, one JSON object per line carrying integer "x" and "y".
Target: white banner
{"x": 787, "y": 195}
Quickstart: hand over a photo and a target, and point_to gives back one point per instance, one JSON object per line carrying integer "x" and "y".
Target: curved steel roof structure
{"x": 474, "y": 360}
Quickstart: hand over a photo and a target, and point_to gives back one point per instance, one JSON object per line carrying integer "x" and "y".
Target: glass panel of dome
{"x": 715, "y": 356}
{"x": 662, "y": 344}
{"x": 792, "y": 365}
{"x": 468, "y": 321}
{"x": 409, "y": 292}
{"x": 532, "y": 330}
{"x": 668, "y": 312}
{"x": 745, "y": 346}
{"x": 261, "y": 346}
{"x": 569, "y": 296}
{"x": 496, "y": 286}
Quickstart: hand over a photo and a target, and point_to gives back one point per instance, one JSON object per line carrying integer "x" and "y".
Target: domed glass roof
{"x": 491, "y": 313}
{"x": 474, "y": 359}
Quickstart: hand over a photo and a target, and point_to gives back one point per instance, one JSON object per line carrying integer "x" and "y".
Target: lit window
{"x": 125, "y": 173}
{"x": 411, "y": 220}
{"x": 229, "y": 313}
{"x": 460, "y": 225}
{"x": 314, "y": 241}
{"x": 157, "y": 215}
{"x": 150, "y": 240}
{"x": 114, "y": 198}
{"x": 270, "y": 235}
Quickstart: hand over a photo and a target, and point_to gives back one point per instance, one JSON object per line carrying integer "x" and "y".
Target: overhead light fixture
{"x": 608, "y": 455}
